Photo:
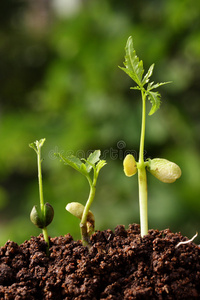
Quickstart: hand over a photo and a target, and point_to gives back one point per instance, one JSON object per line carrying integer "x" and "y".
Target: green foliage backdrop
{"x": 59, "y": 79}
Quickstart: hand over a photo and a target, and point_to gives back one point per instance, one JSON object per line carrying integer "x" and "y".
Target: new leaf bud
{"x": 164, "y": 170}
{"x": 130, "y": 167}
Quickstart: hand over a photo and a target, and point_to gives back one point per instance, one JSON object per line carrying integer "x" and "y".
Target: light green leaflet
{"x": 134, "y": 69}
{"x": 93, "y": 161}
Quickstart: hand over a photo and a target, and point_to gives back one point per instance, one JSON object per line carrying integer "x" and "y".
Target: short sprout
{"x": 84, "y": 166}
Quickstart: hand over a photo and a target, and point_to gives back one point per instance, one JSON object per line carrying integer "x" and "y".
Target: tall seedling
{"x": 162, "y": 169}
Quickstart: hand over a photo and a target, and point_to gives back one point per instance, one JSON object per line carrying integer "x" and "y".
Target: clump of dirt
{"x": 119, "y": 265}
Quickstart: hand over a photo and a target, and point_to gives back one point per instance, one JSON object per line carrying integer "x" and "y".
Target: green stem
{"x": 83, "y": 223}
{"x": 40, "y": 180}
{"x": 44, "y": 230}
{"x": 142, "y": 136}
{"x": 142, "y": 179}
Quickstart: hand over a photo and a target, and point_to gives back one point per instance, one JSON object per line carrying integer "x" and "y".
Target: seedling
{"x": 84, "y": 166}
{"x": 162, "y": 169}
{"x": 43, "y": 216}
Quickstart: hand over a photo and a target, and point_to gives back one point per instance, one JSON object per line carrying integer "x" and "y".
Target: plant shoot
{"x": 41, "y": 216}
{"x": 84, "y": 166}
{"x": 162, "y": 169}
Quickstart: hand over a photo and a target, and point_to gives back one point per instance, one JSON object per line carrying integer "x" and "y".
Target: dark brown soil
{"x": 119, "y": 265}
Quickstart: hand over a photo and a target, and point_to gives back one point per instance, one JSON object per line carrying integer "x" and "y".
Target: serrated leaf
{"x": 152, "y": 86}
{"x": 133, "y": 66}
{"x": 148, "y": 75}
{"x": 135, "y": 88}
{"x": 92, "y": 160}
{"x": 154, "y": 98}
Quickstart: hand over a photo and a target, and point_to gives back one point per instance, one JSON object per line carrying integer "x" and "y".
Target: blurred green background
{"x": 59, "y": 79}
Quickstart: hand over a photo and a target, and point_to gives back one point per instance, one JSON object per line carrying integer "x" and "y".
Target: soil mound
{"x": 119, "y": 265}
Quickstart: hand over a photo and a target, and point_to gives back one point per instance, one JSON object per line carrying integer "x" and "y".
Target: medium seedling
{"x": 162, "y": 169}
{"x": 84, "y": 166}
{"x": 42, "y": 216}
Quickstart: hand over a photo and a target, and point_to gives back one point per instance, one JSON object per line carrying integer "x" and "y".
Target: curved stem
{"x": 83, "y": 223}
{"x": 142, "y": 178}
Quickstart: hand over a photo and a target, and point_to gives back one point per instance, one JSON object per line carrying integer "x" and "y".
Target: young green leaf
{"x": 83, "y": 169}
{"x": 74, "y": 162}
{"x": 152, "y": 86}
{"x": 32, "y": 145}
{"x": 154, "y": 98}
{"x": 148, "y": 75}
{"x": 92, "y": 160}
{"x": 37, "y": 145}
{"x": 100, "y": 165}
{"x": 133, "y": 66}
